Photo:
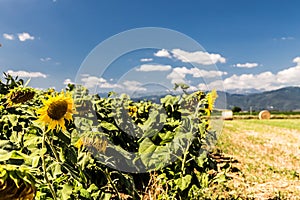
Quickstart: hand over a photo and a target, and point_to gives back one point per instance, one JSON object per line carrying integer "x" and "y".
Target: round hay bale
{"x": 264, "y": 114}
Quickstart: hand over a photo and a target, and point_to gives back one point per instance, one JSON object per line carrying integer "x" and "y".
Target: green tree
{"x": 236, "y": 109}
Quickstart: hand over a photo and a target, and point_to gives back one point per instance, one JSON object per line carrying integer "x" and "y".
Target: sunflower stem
{"x": 53, "y": 149}
{"x": 112, "y": 184}
{"x": 44, "y": 168}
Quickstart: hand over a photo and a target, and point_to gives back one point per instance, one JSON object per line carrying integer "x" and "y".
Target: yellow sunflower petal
{"x": 79, "y": 143}
{"x": 61, "y": 123}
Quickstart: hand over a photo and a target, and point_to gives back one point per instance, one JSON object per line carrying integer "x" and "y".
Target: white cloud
{"x": 296, "y": 60}
{"x": 287, "y": 38}
{"x": 109, "y": 85}
{"x": 284, "y": 38}
{"x": 25, "y": 36}
{"x": 146, "y": 59}
{"x": 8, "y": 36}
{"x": 133, "y": 86}
{"x": 45, "y": 59}
{"x": 199, "y": 57}
{"x": 93, "y": 81}
{"x": 148, "y": 68}
{"x": 196, "y": 72}
{"x": 25, "y": 74}
{"x": 68, "y": 81}
{"x": 262, "y": 81}
{"x": 289, "y": 76}
{"x": 249, "y": 81}
{"x": 178, "y": 74}
{"x": 163, "y": 53}
{"x": 246, "y": 65}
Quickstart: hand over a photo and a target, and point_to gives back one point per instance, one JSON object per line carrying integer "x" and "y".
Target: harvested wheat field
{"x": 265, "y": 159}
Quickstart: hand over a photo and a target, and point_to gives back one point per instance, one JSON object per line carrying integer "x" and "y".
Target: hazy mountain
{"x": 284, "y": 99}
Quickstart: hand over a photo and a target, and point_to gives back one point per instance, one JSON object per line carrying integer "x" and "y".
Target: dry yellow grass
{"x": 268, "y": 159}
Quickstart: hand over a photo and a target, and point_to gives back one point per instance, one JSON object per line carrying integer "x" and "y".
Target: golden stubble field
{"x": 265, "y": 159}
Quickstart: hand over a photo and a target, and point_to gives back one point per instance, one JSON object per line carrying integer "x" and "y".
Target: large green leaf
{"x": 154, "y": 156}
{"x": 147, "y": 147}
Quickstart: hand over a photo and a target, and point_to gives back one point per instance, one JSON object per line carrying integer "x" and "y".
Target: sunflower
{"x": 211, "y": 97}
{"x": 20, "y": 95}
{"x": 16, "y": 182}
{"x": 132, "y": 111}
{"x": 56, "y": 109}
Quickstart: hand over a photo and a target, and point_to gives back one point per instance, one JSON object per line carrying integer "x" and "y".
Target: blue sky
{"x": 254, "y": 45}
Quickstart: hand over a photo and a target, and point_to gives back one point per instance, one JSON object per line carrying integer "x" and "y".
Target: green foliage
{"x": 236, "y": 109}
{"x": 106, "y": 135}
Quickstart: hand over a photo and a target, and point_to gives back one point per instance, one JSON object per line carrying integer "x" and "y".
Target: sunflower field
{"x": 74, "y": 145}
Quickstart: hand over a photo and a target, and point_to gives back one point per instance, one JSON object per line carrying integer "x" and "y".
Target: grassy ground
{"x": 267, "y": 155}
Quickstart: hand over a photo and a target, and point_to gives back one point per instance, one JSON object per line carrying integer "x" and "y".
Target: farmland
{"x": 52, "y": 149}
{"x": 265, "y": 159}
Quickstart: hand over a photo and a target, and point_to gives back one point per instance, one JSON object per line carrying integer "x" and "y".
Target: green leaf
{"x": 3, "y": 174}
{"x": 201, "y": 159}
{"x": 83, "y": 123}
{"x": 166, "y": 137}
{"x": 108, "y": 126}
{"x": 5, "y": 155}
{"x": 35, "y": 161}
{"x": 31, "y": 140}
{"x": 153, "y": 155}
{"x": 149, "y": 127}
{"x": 66, "y": 192}
{"x": 57, "y": 170}
{"x": 92, "y": 188}
{"x": 147, "y": 146}
{"x": 84, "y": 193}
{"x": 107, "y": 196}
{"x": 183, "y": 182}
{"x": 220, "y": 178}
{"x": 13, "y": 175}
{"x": 13, "y": 119}
{"x": 170, "y": 100}
{"x": 183, "y": 86}
{"x": 203, "y": 179}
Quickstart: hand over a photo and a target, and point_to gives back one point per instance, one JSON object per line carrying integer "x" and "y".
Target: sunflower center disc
{"x": 57, "y": 109}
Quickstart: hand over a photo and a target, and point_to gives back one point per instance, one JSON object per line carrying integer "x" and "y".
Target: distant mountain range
{"x": 284, "y": 99}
